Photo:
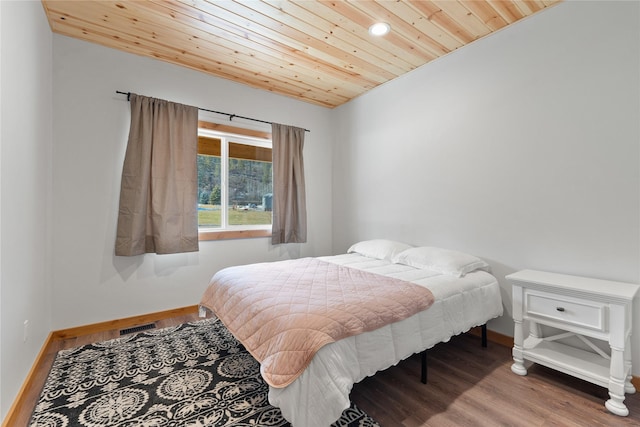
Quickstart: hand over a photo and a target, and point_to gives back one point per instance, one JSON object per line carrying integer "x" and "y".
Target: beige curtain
{"x": 289, "y": 200}
{"x": 158, "y": 193}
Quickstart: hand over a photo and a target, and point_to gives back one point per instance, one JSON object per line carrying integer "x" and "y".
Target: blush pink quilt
{"x": 283, "y": 312}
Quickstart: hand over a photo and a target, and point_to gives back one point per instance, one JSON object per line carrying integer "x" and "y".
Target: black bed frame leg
{"x": 423, "y": 376}
{"x": 484, "y": 335}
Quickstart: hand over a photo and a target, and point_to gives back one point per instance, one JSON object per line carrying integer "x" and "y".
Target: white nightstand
{"x": 586, "y": 308}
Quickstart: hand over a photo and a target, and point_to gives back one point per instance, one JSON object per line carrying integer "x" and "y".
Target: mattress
{"x": 318, "y": 396}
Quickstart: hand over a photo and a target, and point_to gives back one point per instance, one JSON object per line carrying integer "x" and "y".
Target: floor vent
{"x": 137, "y": 329}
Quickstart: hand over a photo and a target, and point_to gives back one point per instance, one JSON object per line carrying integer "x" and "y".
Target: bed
{"x": 465, "y": 295}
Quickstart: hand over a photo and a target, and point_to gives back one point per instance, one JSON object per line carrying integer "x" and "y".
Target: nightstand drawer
{"x": 566, "y": 310}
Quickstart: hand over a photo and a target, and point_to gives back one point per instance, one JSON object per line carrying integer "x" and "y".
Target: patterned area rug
{"x": 191, "y": 375}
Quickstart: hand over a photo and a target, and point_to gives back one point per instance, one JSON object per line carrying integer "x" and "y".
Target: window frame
{"x": 209, "y": 129}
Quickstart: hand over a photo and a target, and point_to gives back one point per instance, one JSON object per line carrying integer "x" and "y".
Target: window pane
{"x": 250, "y": 185}
{"x": 209, "y": 190}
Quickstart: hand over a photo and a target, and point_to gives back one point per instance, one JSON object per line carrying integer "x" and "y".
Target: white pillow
{"x": 378, "y": 248}
{"x": 444, "y": 261}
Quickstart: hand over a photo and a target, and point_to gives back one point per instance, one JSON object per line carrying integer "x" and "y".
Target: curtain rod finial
{"x": 125, "y": 93}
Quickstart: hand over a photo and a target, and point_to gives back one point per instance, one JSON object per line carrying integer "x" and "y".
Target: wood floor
{"x": 473, "y": 386}
{"x": 467, "y": 386}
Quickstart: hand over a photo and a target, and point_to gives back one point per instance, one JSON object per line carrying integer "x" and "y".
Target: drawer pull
{"x": 560, "y": 308}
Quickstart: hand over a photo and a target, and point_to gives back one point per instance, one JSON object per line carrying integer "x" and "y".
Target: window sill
{"x": 237, "y": 234}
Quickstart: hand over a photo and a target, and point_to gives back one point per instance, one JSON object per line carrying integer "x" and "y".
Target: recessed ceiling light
{"x": 379, "y": 29}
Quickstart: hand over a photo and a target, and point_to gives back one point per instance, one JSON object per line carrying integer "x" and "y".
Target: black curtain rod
{"x": 231, "y": 116}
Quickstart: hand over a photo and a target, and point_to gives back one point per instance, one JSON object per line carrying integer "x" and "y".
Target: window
{"x": 235, "y": 184}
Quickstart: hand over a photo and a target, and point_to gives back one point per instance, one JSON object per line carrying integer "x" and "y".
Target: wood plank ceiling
{"x": 316, "y": 51}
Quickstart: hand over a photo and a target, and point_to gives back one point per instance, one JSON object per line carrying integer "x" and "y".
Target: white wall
{"x": 521, "y": 148}
{"x": 91, "y": 124}
{"x": 25, "y": 143}
{"x": 2, "y": 410}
